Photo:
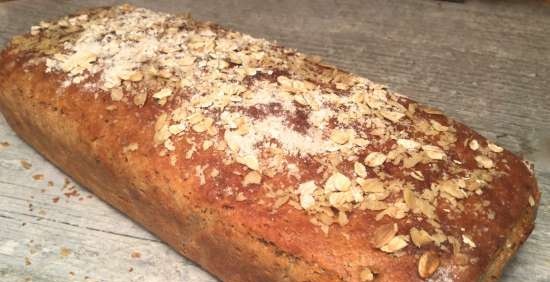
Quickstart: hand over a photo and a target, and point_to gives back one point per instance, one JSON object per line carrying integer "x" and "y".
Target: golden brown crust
{"x": 266, "y": 228}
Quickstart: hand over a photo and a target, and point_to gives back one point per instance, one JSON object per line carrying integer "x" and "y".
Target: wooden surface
{"x": 484, "y": 63}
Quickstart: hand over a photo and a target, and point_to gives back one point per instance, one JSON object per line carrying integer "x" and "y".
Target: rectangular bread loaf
{"x": 258, "y": 162}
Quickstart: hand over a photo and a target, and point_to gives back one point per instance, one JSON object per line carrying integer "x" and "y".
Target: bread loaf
{"x": 258, "y": 162}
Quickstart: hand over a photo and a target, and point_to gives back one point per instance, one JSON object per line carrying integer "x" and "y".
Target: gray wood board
{"x": 484, "y": 63}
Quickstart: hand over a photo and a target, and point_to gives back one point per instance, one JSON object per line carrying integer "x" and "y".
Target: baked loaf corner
{"x": 261, "y": 163}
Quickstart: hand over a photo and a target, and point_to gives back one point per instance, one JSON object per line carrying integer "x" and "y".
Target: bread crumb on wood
{"x": 64, "y": 252}
{"x": 4, "y": 144}
{"x": 38, "y": 177}
{"x": 25, "y": 164}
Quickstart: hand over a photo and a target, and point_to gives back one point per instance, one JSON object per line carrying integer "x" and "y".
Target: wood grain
{"x": 486, "y": 63}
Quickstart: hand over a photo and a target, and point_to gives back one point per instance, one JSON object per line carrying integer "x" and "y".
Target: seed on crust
{"x": 484, "y": 162}
{"x": 408, "y": 144}
{"x": 420, "y": 237}
{"x": 452, "y": 188}
{"x": 433, "y": 152}
{"x": 338, "y": 199}
{"x": 360, "y": 169}
{"x": 371, "y": 185}
{"x": 250, "y": 161}
{"x": 163, "y": 93}
{"x": 366, "y": 275}
{"x": 130, "y": 147}
{"x": 306, "y": 190}
{"x": 531, "y": 201}
{"x": 281, "y": 201}
{"x": 474, "y": 145}
{"x": 252, "y": 177}
{"x": 337, "y": 182}
{"x": 240, "y": 197}
{"x": 495, "y": 148}
{"x": 342, "y": 218}
{"x": 428, "y": 264}
{"x": 410, "y": 198}
{"x": 438, "y": 126}
{"x": 340, "y": 136}
{"x": 207, "y": 144}
{"x": 136, "y": 76}
{"x": 395, "y": 244}
{"x": 375, "y": 159}
{"x": 140, "y": 99}
{"x": 384, "y": 234}
{"x": 116, "y": 94}
{"x": 392, "y": 116}
{"x": 468, "y": 240}
{"x": 177, "y": 128}
{"x": 417, "y": 175}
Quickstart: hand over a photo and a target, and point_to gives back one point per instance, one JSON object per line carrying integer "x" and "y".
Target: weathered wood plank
{"x": 485, "y": 63}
